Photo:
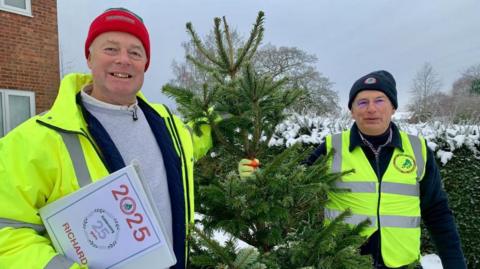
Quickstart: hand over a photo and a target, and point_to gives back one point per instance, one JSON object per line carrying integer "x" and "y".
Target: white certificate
{"x": 109, "y": 224}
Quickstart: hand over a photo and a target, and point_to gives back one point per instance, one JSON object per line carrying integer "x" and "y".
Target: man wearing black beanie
{"x": 395, "y": 182}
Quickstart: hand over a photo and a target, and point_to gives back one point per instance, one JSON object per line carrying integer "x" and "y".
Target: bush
{"x": 461, "y": 178}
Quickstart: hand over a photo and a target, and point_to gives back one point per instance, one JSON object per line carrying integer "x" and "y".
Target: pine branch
{"x": 200, "y": 65}
{"x": 224, "y": 142}
{"x": 199, "y": 45}
{"x": 246, "y": 257}
{"x": 255, "y": 46}
{"x": 220, "y": 46}
{"x": 214, "y": 246}
{"x": 182, "y": 96}
{"x": 328, "y": 231}
{"x": 229, "y": 40}
{"x": 258, "y": 26}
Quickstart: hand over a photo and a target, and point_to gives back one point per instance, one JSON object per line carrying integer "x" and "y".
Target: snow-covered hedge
{"x": 457, "y": 148}
{"x": 442, "y": 138}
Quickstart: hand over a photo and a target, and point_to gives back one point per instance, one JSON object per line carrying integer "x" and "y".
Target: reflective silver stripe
{"x": 20, "y": 224}
{"x": 369, "y": 187}
{"x": 337, "y": 155}
{"x": 400, "y": 221}
{"x": 387, "y": 187}
{"x": 354, "y": 219}
{"x": 385, "y": 221}
{"x": 76, "y": 154}
{"x": 417, "y": 151}
{"x": 399, "y": 188}
{"x": 59, "y": 262}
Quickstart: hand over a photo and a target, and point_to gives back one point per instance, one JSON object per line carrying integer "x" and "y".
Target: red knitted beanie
{"x": 119, "y": 20}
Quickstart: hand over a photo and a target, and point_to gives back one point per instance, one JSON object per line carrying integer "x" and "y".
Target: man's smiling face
{"x": 117, "y": 61}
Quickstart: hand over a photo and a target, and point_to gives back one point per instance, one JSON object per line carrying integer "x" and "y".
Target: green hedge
{"x": 461, "y": 179}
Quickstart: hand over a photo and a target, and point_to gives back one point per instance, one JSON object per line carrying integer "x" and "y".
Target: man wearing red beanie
{"x": 99, "y": 123}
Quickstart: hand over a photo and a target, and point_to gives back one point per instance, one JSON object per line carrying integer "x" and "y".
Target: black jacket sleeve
{"x": 438, "y": 218}
{"x": 319, "y": 151}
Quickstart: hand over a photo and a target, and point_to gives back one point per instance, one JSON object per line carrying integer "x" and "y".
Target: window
{"x": 22, "y": 7}
{"x": 15, "y": 108}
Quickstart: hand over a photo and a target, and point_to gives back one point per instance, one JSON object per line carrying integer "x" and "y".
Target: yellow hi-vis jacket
{"x": 37, "y": 168}
{"x": 392, "y": 204}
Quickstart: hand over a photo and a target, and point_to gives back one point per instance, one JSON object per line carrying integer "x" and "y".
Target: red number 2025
{"x": 128, "y": 206}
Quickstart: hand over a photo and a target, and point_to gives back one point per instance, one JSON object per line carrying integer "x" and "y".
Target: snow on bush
{"x": 442, "y": 138}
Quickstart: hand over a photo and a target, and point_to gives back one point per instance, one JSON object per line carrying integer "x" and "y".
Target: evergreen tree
{"x": 279, "y": 210}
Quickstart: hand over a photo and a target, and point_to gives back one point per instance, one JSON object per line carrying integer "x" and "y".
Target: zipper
{"x": 377, "y": 157}
{"x": 376, "y": 153}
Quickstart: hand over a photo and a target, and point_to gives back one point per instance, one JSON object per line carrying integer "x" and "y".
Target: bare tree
{"x": 425, "y": 87}
{"x": 299, "y": 67}
{"x": 466, "y": 95}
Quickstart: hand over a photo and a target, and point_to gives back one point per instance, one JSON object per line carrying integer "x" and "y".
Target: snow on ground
{"x": 431, "y": 261}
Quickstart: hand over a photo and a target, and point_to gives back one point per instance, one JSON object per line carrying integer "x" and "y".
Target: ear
{"x": 89, "y": 61}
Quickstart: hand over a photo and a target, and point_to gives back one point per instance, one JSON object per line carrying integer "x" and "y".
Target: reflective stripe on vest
{"x": 337, "y": 155}
{"x": 59, "y": 262}
{"x": 387, "y": 187}
{"x": 78, "y": 159}
{"x": 387, "y": 221}
{"x": 20, "y": 224}
{"x": 417, "y": 151}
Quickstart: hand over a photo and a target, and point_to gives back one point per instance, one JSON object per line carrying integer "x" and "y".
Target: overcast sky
{"x": 350, "y": 38}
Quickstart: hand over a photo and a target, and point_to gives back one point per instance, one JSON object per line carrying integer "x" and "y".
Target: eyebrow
{"x": 118, "y": 43}
{"x": 112, "y": 42}
{"x": 366, "y": 98}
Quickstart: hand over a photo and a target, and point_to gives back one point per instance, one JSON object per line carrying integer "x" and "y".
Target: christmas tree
{"x": 278, "y": 211}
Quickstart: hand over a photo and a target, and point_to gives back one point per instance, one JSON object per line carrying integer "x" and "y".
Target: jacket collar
{"x": 65, "y": 113}
{"x": 356, "y": 141}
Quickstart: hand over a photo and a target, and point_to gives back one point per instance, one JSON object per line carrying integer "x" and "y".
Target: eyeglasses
{"x": 364, "y": 103}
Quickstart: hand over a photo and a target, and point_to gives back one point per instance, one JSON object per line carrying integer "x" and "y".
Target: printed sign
{"x": 107, "y": 223}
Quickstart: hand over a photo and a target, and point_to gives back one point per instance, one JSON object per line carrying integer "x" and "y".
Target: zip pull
{"x": 134, "y": 113}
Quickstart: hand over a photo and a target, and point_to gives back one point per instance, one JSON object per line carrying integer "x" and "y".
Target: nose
{"x": 123, "y": 58}
{"x": 371, "y": 107}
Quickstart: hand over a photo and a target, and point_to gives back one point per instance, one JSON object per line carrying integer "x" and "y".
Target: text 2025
{"x": 128, "y": 206}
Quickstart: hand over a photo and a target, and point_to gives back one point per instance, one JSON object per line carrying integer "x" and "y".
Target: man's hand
{"x": 246, "y": 167}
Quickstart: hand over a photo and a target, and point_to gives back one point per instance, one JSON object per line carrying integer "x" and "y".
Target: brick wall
{"x": 29, "y": 52}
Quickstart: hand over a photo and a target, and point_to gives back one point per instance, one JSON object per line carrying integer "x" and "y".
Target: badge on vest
{"x": 404, "y": 163}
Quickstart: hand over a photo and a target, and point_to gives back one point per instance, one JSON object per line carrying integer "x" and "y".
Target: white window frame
{"x": 26, "y": 12}
{"x": 6, "y": 106}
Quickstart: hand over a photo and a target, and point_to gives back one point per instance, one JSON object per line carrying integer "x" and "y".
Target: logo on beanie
{"x": 404, "y": 163}
{"x": 120, "y": 18}
{"x": 370, "y": 80}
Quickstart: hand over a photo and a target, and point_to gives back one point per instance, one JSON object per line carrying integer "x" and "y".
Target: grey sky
{"x": 350, "y": 38}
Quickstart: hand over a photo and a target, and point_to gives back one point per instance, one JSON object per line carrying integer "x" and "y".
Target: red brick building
{"x": 29, "y": 62}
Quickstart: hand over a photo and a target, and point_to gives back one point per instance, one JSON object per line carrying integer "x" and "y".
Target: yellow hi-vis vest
{"x": 392, "y": 204}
